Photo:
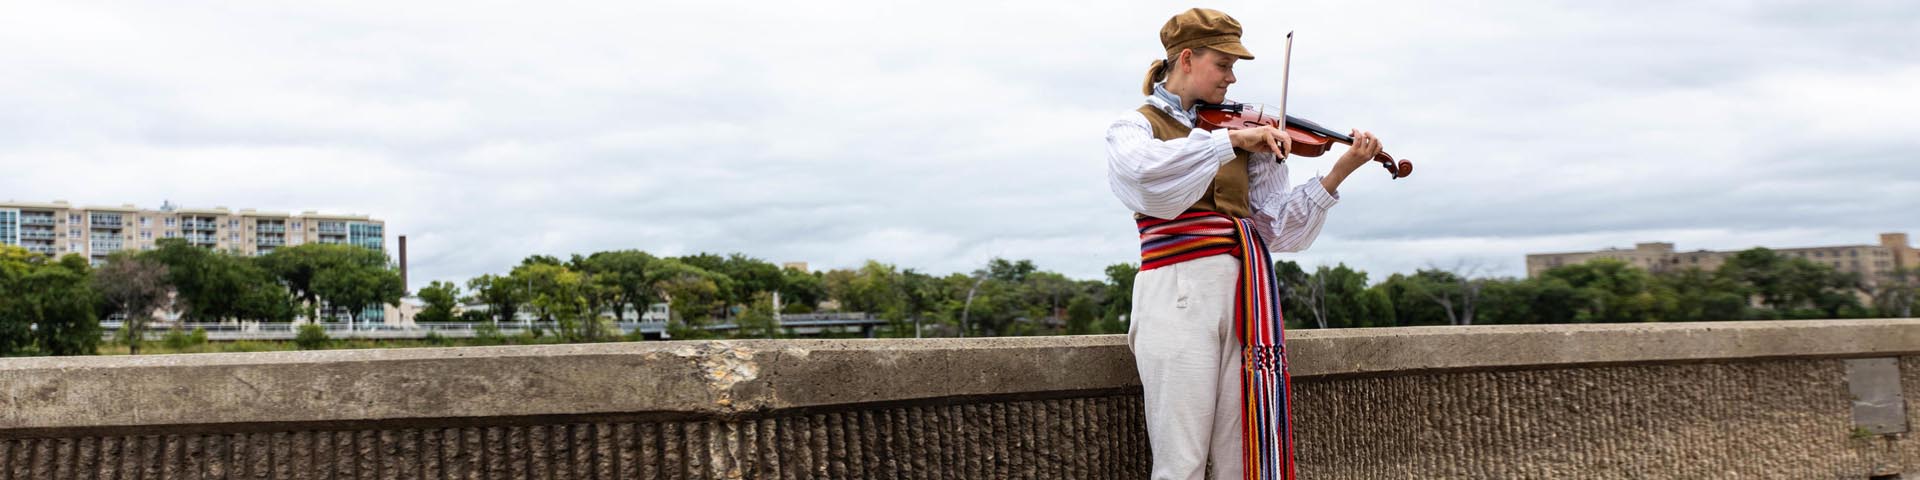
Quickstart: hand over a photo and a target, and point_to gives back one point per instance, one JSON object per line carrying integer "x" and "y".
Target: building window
{"x": 1853, "y": 253}
{"x": 233, "y": 224}
{"x": 73, "y": 218}
{"x": 146, "y": 234}
{"x": 73, "y": 232}
{"x": 169, "y": 221}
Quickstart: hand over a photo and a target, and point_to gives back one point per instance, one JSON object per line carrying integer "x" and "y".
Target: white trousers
{"x": 1182, "y": 339}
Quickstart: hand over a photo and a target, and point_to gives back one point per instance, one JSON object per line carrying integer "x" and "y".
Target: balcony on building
{"x": 198, "y": 224}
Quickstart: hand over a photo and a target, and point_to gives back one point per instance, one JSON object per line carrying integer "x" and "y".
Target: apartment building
{"x": 95, "y": 232}
{"x": 58, "y": 228}
{"x": 1872, "y": 262}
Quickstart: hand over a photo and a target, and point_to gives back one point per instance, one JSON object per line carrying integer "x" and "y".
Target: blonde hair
{"x": 1157, "y": 71}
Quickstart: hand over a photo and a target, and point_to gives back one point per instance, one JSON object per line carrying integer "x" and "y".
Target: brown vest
{"x": 1228, "y": 192}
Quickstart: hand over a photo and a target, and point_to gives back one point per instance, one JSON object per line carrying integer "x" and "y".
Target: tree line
{"x": 584, "y": 292}
{"x": 1756, "y": 284}
{"x": 53, "y": 306}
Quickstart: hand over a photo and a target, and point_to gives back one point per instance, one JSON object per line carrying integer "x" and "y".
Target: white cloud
{"x": 935, "y": 136}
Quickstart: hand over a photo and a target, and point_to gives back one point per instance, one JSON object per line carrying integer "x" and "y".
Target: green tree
{"x": 296, "y": 266}
{"x": 1792, "y": 287}
{"x": 1611, "y": 291}
{"x": 440, "y": 299}
{"x": 624, "y": 272}
{"x": 1895, "y": 293}
{"x": 1080, "y": 315}
{"x": 1349, "y": 303}
{"x": 1456, "y": 294}
{"x": 553, "y": 291}
{"x": 1004, "y": 270}
{"x": 920, "y": 295}
{"x": 131, "y": 286}
{"x": 1692, "y": 295}
{"x": 1302, "y": 295}
{"x": 1412, "y": 301}
{"x": 57, "y": 299}
{"x": 16, "y": 318}
{"x": 213, "y": 285}
{"x": 359, "y": 282}
{"x": 1047, "y": 295}
{"x": 757, "y": 321}
{"x": 1119, "y": 303}
{"x": 503, "y": 295}
{"x": 693, "y": 293}
{"x": 801, "y": 291}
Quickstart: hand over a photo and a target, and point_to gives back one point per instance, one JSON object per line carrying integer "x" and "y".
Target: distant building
{"x": 57, "y": 229}
{"x": 1872, "y": 262}
{"x": 801, "y": 266}
{"x": 95, "y": 232}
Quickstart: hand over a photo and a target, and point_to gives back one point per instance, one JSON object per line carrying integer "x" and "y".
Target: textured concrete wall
{"x": 1720, "y": 400}
{"x": 1784, "y": 419}
{"x": 1100, "y": 437}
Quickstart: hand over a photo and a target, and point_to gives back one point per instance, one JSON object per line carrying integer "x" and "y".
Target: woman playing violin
{"x": 1204, "y": 201}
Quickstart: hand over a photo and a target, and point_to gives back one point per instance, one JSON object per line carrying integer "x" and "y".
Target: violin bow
{"x": 1286, "y": 65}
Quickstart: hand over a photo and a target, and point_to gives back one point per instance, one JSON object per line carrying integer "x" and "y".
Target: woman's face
{"x": 1209, "y": 75}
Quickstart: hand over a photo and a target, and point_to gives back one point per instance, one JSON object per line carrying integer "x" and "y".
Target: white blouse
{"x": 1164, "y": 178}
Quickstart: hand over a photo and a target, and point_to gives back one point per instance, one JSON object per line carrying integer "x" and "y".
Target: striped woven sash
{"x": 1265, "y": 387}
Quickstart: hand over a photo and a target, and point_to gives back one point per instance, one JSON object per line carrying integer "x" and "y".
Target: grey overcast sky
{"x": 937, "y": 135}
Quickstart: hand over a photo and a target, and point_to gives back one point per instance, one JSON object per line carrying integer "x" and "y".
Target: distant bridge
{"x": 815, "y": 324}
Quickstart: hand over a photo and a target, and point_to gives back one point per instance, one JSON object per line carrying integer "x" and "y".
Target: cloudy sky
{"x": 937, "y": 135}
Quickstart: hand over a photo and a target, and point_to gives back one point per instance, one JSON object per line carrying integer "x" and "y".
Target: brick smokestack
{"x": 403, "y": 264}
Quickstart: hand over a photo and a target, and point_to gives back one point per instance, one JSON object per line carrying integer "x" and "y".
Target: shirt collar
{"x": 1168, "y": 102}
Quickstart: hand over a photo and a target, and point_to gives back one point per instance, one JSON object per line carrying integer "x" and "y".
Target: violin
{"x": 1309, "y": 139}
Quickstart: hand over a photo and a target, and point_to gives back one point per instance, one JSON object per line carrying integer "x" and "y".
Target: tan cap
{"x": 1203, "y": 27}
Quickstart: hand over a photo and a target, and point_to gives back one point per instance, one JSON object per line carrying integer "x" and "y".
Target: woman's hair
{"x": 1157, "y": 71}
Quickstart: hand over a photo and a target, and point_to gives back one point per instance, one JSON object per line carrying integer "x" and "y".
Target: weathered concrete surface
{"x": 714, "y": 378}
{"x": 1707, "y": 400}
{"x": 1414, "y": 349}
{"x": 1099, "y": 437}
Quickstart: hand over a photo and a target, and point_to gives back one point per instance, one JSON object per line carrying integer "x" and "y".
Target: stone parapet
{"x": 1687, "y": 400}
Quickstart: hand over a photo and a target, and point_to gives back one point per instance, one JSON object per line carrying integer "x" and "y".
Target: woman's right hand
{"x": 1261, "y": 139}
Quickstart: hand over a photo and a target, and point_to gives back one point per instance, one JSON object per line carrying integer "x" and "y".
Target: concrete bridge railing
{"x": 1805, "y": 399}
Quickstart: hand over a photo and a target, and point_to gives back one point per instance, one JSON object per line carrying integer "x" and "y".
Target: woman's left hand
{"x": 1364, "y": 147}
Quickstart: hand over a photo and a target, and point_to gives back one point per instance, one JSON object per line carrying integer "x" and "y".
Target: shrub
{"x": 176, "y": 340}
{"x": 311, "y": 337}
{"x": 488, "y": 334}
